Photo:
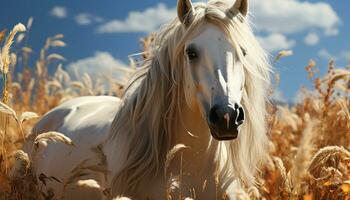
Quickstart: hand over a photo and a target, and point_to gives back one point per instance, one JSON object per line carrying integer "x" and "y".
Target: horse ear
{"x": 241, "y": 6}
{"x": 185, "y": 11}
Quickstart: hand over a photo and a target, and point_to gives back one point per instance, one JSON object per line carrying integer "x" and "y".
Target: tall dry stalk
{"x": 5, "y": 65}
{"x": 303, "y": 157}
{"x": 287, "y": 175}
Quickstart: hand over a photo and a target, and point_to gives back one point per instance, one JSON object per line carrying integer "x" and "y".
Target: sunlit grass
{"x": 309, "y": 148}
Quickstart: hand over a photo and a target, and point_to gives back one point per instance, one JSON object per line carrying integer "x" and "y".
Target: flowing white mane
{"x": 151, "y": 109}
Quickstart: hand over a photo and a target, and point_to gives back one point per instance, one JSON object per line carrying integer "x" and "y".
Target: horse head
{"x": 215, "y": 65}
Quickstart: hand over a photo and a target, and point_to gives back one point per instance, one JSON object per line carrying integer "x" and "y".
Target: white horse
{"x": 205, "y": 86}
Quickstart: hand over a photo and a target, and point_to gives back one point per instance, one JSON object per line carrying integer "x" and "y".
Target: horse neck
{"x": 198, "y": 159}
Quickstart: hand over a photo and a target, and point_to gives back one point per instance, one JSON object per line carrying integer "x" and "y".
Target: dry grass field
{"x": 310, "y": 140}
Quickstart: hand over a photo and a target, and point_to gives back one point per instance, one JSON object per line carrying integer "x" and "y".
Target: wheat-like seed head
{"x": 286, "y": 181}
{"x": 253, "y": 193}
{"x": 303, "y": 156}
{"x": 171, "y": 154}
{"x": 8, "y": 110}
{"x": 27, "y": 116}
{"x": 331, "y": 155}
{"x": 16, "y": 86}
{"x": 20, "y": 38}
{"x": 77, "y": 84}
{"x": 57, "y": 43}
{"x": 1, "y": 64}
{"x": 55, "y": 84}
{"x": 58, "y": 36}
{"x": 283, "y": 53}
{"x": 42, "y": 139}
{"x": 6, "y": 49}
{"x": 89, "y": 184}
{"x": 21, "y": 166}
{"x": 289, "y": 150}
{"x": 2, "y": 35}
{"x": 121, "y": 198}
{"x": 240, "y": 194}
{"x": 55, "y": 56}
{"x": 27, "y": 50}
{"x": 29, "y": 23}
{"x": 87, "y": 80}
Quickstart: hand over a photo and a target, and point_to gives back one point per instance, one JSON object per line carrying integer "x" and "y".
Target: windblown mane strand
{"x": 150, "y": 110}
{"x": 240, "y": 158}
{"x": 148, "y": 114}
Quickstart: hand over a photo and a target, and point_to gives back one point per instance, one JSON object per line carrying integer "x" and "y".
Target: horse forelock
{"x": 150, "y": 113}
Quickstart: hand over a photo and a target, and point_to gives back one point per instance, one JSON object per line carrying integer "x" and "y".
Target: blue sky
{"x": 105, "y": 32}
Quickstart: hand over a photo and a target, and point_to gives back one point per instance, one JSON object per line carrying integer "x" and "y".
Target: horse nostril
{"x": 240, "y": 118}
{"x": 226, "y": 118}
{"x": 214, "y": 115}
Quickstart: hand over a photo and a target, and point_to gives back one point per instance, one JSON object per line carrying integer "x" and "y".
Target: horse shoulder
{"x": 86, "y": 121}
{"x": 78, "y": 113}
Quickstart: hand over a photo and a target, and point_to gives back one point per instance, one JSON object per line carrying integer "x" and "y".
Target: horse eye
{"x": 191, "y": 53}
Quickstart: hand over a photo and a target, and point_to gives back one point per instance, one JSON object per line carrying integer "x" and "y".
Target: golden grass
{"x": 309, "y": 148}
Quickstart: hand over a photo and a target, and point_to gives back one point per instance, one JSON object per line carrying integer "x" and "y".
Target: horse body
{"x": 86, "y": 120}
{"x": 204, "y": 86}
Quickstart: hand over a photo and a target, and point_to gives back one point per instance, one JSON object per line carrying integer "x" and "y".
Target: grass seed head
{"x": 5, "y": 53}
{"x": 27, "y": 116}
{"x": 43, "y": 139}
{"x": 89, "y": 184}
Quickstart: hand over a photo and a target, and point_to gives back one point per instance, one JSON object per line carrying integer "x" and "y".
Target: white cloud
{"x": 86, "y": 19}
{"x": 271, "y": 16}
{"x": 302, "y": 94}
{"x": 325, "y": 54}
{"x": 345, "y": 55}
{"x": 59, "y": 12}
{"x": 332, "y": 32}
{"x": 311, "y": 39}
{"x": 276, "y": 41}
{"x": 101, "y": 63}
{"x": 278, "y": 96}
{"x": 293, "y": 16}
{"x": 145, "y": 21}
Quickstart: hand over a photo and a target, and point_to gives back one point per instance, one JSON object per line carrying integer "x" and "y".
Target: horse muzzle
{"x": 224, "y": 121}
